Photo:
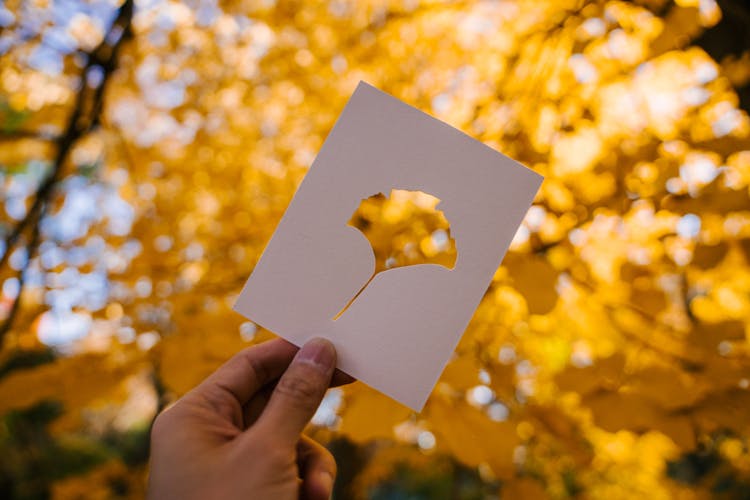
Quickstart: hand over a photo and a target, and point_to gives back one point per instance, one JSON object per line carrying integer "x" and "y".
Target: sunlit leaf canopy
{"x": 149, "y": 148}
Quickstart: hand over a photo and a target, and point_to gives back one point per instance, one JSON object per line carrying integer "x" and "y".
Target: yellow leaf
{"x": 72, "y": 381}
{"x": 369, "y": 415}
{"x": 535, "y": 278}
{"x": 471, "y": 436}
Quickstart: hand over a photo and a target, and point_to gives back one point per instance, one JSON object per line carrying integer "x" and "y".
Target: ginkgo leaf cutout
{"x": 404, "y": 229}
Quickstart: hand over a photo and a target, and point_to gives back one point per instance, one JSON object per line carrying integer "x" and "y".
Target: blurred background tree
{"x": 148, "y": 149}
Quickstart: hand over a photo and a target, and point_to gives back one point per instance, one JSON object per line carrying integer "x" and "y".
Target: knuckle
{"x": 331, "y": 464}
{"x": 161, "y": 424}
{"x": 219, "y": 401}
{"x": 256, "y": 366}
{"x": 299, "y": 387}
{"x": 327, "y": 463}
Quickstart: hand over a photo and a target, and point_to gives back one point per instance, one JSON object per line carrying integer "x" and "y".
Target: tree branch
{"x": 8, "y": 322}
{"x": 83, "y": 118}
{"x": 27, "y": 134}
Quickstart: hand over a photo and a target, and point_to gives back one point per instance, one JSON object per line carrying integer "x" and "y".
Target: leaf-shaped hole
{"x": 404, "y": 229}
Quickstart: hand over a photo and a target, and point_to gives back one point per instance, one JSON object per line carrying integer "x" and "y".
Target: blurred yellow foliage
{"x": 612, "y": 343}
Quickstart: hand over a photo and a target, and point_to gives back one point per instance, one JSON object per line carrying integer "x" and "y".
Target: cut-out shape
{"x": 400, "y": 331}
{"x": 404, "y": 229}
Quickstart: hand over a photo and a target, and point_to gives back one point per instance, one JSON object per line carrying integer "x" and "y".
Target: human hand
{"x": 238, "y": 435}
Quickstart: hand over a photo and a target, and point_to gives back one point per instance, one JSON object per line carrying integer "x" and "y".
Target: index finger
{"x": 250, "y": 369}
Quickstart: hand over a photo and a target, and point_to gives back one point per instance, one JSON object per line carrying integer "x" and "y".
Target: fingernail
{"x": 318, "y": 352}
{"x": 326, "y": 481}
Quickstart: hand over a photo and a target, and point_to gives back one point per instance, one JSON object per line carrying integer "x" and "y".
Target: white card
{"x": 400, "y": 331}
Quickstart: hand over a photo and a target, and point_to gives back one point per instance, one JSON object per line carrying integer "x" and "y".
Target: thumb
{"x": 299, "y": 392}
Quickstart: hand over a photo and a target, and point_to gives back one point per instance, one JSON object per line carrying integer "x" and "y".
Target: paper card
{"x": 399, "y": 332}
